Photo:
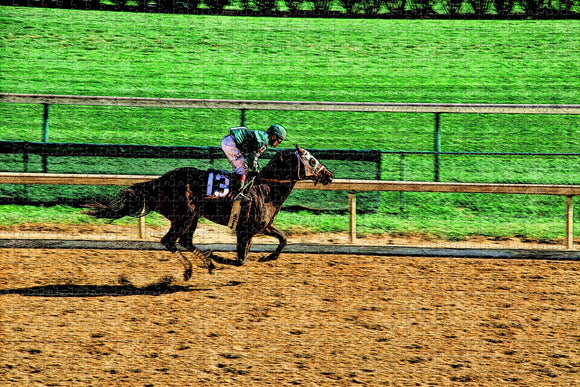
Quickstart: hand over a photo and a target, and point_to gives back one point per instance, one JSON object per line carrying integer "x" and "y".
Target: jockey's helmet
{"x": 278, "y": 131}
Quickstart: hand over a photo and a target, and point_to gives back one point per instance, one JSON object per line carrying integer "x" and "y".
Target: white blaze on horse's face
{"x": 311, "y": 166}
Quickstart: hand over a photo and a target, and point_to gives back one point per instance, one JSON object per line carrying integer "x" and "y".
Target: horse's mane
{"x": 282, "y": 161}
{"x": 281, "y": 155}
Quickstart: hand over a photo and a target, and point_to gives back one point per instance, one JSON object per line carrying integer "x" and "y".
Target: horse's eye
{"x": 312, "y": 162}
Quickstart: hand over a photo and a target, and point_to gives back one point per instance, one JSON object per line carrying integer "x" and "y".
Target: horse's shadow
{"x": 123, "y": 290}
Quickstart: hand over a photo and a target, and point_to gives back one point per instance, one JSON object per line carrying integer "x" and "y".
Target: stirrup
{"x": 240, "y": 196}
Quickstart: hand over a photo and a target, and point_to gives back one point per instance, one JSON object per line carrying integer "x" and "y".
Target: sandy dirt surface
{"x": 89, "y": 317}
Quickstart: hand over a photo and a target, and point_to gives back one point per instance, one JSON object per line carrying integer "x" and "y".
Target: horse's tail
{"x": 136, "y": 200}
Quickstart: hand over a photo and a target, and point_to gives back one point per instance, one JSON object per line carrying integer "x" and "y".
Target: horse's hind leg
{"x": 272, "y": 230}
{"x": 178, "y": 226}
{"x": 186, "y": 240}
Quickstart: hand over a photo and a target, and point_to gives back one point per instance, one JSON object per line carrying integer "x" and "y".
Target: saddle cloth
{"x": 218, "y": 184}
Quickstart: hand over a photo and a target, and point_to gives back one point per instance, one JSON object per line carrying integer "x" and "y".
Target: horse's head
{"x": 311, "y": 169}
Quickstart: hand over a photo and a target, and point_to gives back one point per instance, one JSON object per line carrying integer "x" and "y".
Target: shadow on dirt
{"x": 97, "y": 290}
{"x": 124, "y": 289}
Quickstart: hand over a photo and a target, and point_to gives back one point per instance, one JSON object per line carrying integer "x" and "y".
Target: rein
{"x": 279, "y": 180}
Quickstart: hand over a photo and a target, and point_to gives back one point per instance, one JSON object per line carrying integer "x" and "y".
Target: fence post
{"x": 45, "y": 122}
{"x": 437, "y": 146}
{"x": 352, "y": 211}
{"x": 45, "y": 135}
{"x": 379, "y": 160}
{"x": 243, "y": 118}
{"x": 25, "y": 156}
{"x": 402, "y": 206}
{"x": 569, "y": 222}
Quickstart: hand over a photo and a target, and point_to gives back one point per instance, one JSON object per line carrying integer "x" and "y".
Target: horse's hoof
{"x": 187, "y": 275}
{"x": 268, "y": 258}
{"x": 211, "y": 269}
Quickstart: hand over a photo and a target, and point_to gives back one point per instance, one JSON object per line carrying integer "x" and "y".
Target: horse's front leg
{"x": 242, "y": 247}
{"x": 272, "y": 230}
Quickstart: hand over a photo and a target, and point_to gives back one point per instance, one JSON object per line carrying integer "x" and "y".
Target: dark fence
{"x": 24, "y": 156}
{"x": 496, "y": 9}
{"x": 27, "y": 148}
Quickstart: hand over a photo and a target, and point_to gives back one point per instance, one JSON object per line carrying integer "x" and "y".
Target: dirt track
{"x": 85, "y": 317}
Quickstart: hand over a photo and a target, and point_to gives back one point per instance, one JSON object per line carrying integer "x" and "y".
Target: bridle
{"x": 309, "y": 170}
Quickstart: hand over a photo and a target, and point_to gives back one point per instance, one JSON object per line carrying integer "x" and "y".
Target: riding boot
{"x": 239, "y": 198}
{"x": 240, "y": 195}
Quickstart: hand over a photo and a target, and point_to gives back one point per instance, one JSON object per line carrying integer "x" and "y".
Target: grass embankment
{"x": 149, "y": 55}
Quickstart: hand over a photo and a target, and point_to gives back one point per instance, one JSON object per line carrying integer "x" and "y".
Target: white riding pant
{"x": 234, "y": 155}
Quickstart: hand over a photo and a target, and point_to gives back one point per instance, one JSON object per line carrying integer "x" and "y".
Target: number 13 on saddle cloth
{"x": 218, "y": 185}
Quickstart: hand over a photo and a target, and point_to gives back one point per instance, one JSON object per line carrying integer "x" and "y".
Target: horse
{"x": 184, "y": 194}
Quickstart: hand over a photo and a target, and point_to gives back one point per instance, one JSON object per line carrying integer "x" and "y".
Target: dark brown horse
{"x": 185, "y": 194}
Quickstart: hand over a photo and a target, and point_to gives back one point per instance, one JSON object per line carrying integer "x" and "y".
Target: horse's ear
{"x": 298, "y": 149}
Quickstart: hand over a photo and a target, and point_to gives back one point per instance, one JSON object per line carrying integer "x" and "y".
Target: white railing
{"x": 351, "y": 186}
{"x": 376, "y": 107}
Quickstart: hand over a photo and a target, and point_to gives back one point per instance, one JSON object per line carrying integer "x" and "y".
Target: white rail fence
{"x": 376, "y": 107}
{"x": 351, "y": 186}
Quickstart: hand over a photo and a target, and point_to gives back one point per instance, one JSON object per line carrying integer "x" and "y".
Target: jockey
{"x": 242, "y": 144}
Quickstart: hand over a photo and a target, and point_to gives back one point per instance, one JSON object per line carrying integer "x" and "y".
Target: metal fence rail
{"x": 351, "y": 186}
